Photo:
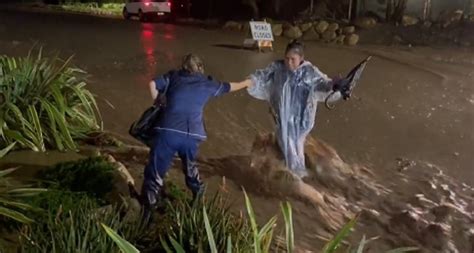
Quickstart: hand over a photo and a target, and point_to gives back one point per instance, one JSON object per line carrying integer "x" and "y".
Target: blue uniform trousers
{"x": 165, "y": 145}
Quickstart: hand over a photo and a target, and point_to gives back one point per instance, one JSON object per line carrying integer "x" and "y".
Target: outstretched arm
{"x": 257, "y": 83}
{"x": 235, "y": 86}
{"x": 325, "y": 87}
{"x": 222, "y": 88}
{"x": 261, "y": 80}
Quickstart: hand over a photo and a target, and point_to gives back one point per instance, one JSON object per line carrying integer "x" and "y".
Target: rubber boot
{"x": 149, "y": 206}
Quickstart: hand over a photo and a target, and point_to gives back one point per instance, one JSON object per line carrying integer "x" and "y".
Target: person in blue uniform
{"x": 179, "y": 128}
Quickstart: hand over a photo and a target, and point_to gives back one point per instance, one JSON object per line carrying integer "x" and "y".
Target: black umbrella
{"x": 346, "y": 85}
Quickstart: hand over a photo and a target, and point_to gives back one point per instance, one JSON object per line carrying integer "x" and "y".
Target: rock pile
{"x": 309, "y": 31}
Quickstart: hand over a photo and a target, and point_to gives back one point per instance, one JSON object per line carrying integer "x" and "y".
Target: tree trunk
{"x": 395, "y": 10}
{"x": 349, "y": 12}
{"x": 399, "y": 10}
{"x": 427, "y": 10}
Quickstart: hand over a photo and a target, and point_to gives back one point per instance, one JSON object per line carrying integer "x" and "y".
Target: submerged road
{"x": 416, "y": 104}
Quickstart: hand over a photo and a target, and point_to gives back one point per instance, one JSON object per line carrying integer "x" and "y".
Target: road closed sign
{"x": 261, "y": 31}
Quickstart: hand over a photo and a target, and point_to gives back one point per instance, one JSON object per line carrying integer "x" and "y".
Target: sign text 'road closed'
{"x": 261, "y": 31}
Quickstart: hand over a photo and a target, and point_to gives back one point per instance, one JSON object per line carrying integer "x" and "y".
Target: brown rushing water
{"x": 413, "y": 104}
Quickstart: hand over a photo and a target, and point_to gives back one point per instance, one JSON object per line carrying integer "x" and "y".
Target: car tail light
{"x": 169, "y": 4}
{"x": 147, "y": 3}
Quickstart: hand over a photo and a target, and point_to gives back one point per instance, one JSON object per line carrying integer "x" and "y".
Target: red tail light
{"x": 147, "y": 3}
{"x": 169, "y": 4}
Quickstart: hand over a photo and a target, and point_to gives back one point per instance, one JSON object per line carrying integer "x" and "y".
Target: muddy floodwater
{"x": 410, "y": 122}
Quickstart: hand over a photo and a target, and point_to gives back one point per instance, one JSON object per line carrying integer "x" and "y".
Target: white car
{"x": 145, "y": 9}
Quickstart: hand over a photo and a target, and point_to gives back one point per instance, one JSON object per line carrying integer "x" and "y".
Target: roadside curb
{"x": 50, "y": 9}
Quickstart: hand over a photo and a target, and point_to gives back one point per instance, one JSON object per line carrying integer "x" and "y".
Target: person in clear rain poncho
{"x": 293, "y": 87}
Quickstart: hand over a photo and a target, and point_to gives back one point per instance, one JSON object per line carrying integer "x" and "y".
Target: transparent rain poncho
{"x": 293, "y": 98}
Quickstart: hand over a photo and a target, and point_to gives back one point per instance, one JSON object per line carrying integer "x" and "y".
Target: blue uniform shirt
{"x": 186, "y": 96}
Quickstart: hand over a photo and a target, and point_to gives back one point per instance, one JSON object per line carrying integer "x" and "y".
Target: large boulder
{"x": 340, "y": 39}
{"x": 306, "y": 26}
{"x": 286, "y": 25}
{"x": 409, "y": 20}
{"x": 311, "y": 34}
{"x": 322, "y": 26}
{"x": 269, "y": 20}
{"x": 329, "y": 36}
{"x": 333, "y": 27}
{"x": 351, "y": 39}
{"x": 246, "y": 27}
{"x": 124, "y": 183}
{"x": 448, "y": 18}
{"x": 348, "y": 30}
{"x": 232, "y": 25}
{"x": 277, "y": 29}
{"x": 427, "y": 24}
{"x": 132, "y": 210}
{"x": 365, "y": 22}
{"x": 293, "y": 32}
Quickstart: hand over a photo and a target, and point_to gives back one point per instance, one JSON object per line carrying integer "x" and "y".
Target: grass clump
{"x": 79, "y": 229}
{"x": 93, "y": 176}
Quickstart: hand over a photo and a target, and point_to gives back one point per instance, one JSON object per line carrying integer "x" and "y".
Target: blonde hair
{"x": 192, "y": 64}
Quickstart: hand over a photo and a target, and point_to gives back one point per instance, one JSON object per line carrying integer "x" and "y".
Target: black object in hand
{"x": 344, "y": 87}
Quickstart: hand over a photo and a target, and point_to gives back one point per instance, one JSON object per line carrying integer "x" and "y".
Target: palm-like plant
{"x": 10, "y": 195}
{"x": 79, "y": 230}
{"x": 189, "y": 231}
{"x": 44, "y": 103}
{"x": 261, "y": 239}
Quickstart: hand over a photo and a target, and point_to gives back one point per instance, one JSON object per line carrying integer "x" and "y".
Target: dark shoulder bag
{"x": 142, "y": 129}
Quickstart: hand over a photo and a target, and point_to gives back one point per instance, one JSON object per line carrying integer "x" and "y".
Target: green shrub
{"x": 174, "y": 193}
{"x": 12, "y": 195}
{"x": 220, "y": 232}
{"x": 188, "y": 227}
{"x": 123, "y": 244}
{"x": 79, "y": 230}
{"x": 12, "y": 198}
{"x": 53, "y": 200}
{"x": 94, "y": 7}
{"x": 93, "y": 176}
{"x": 93, "y": 1}
{"x": 44, "y": 103}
